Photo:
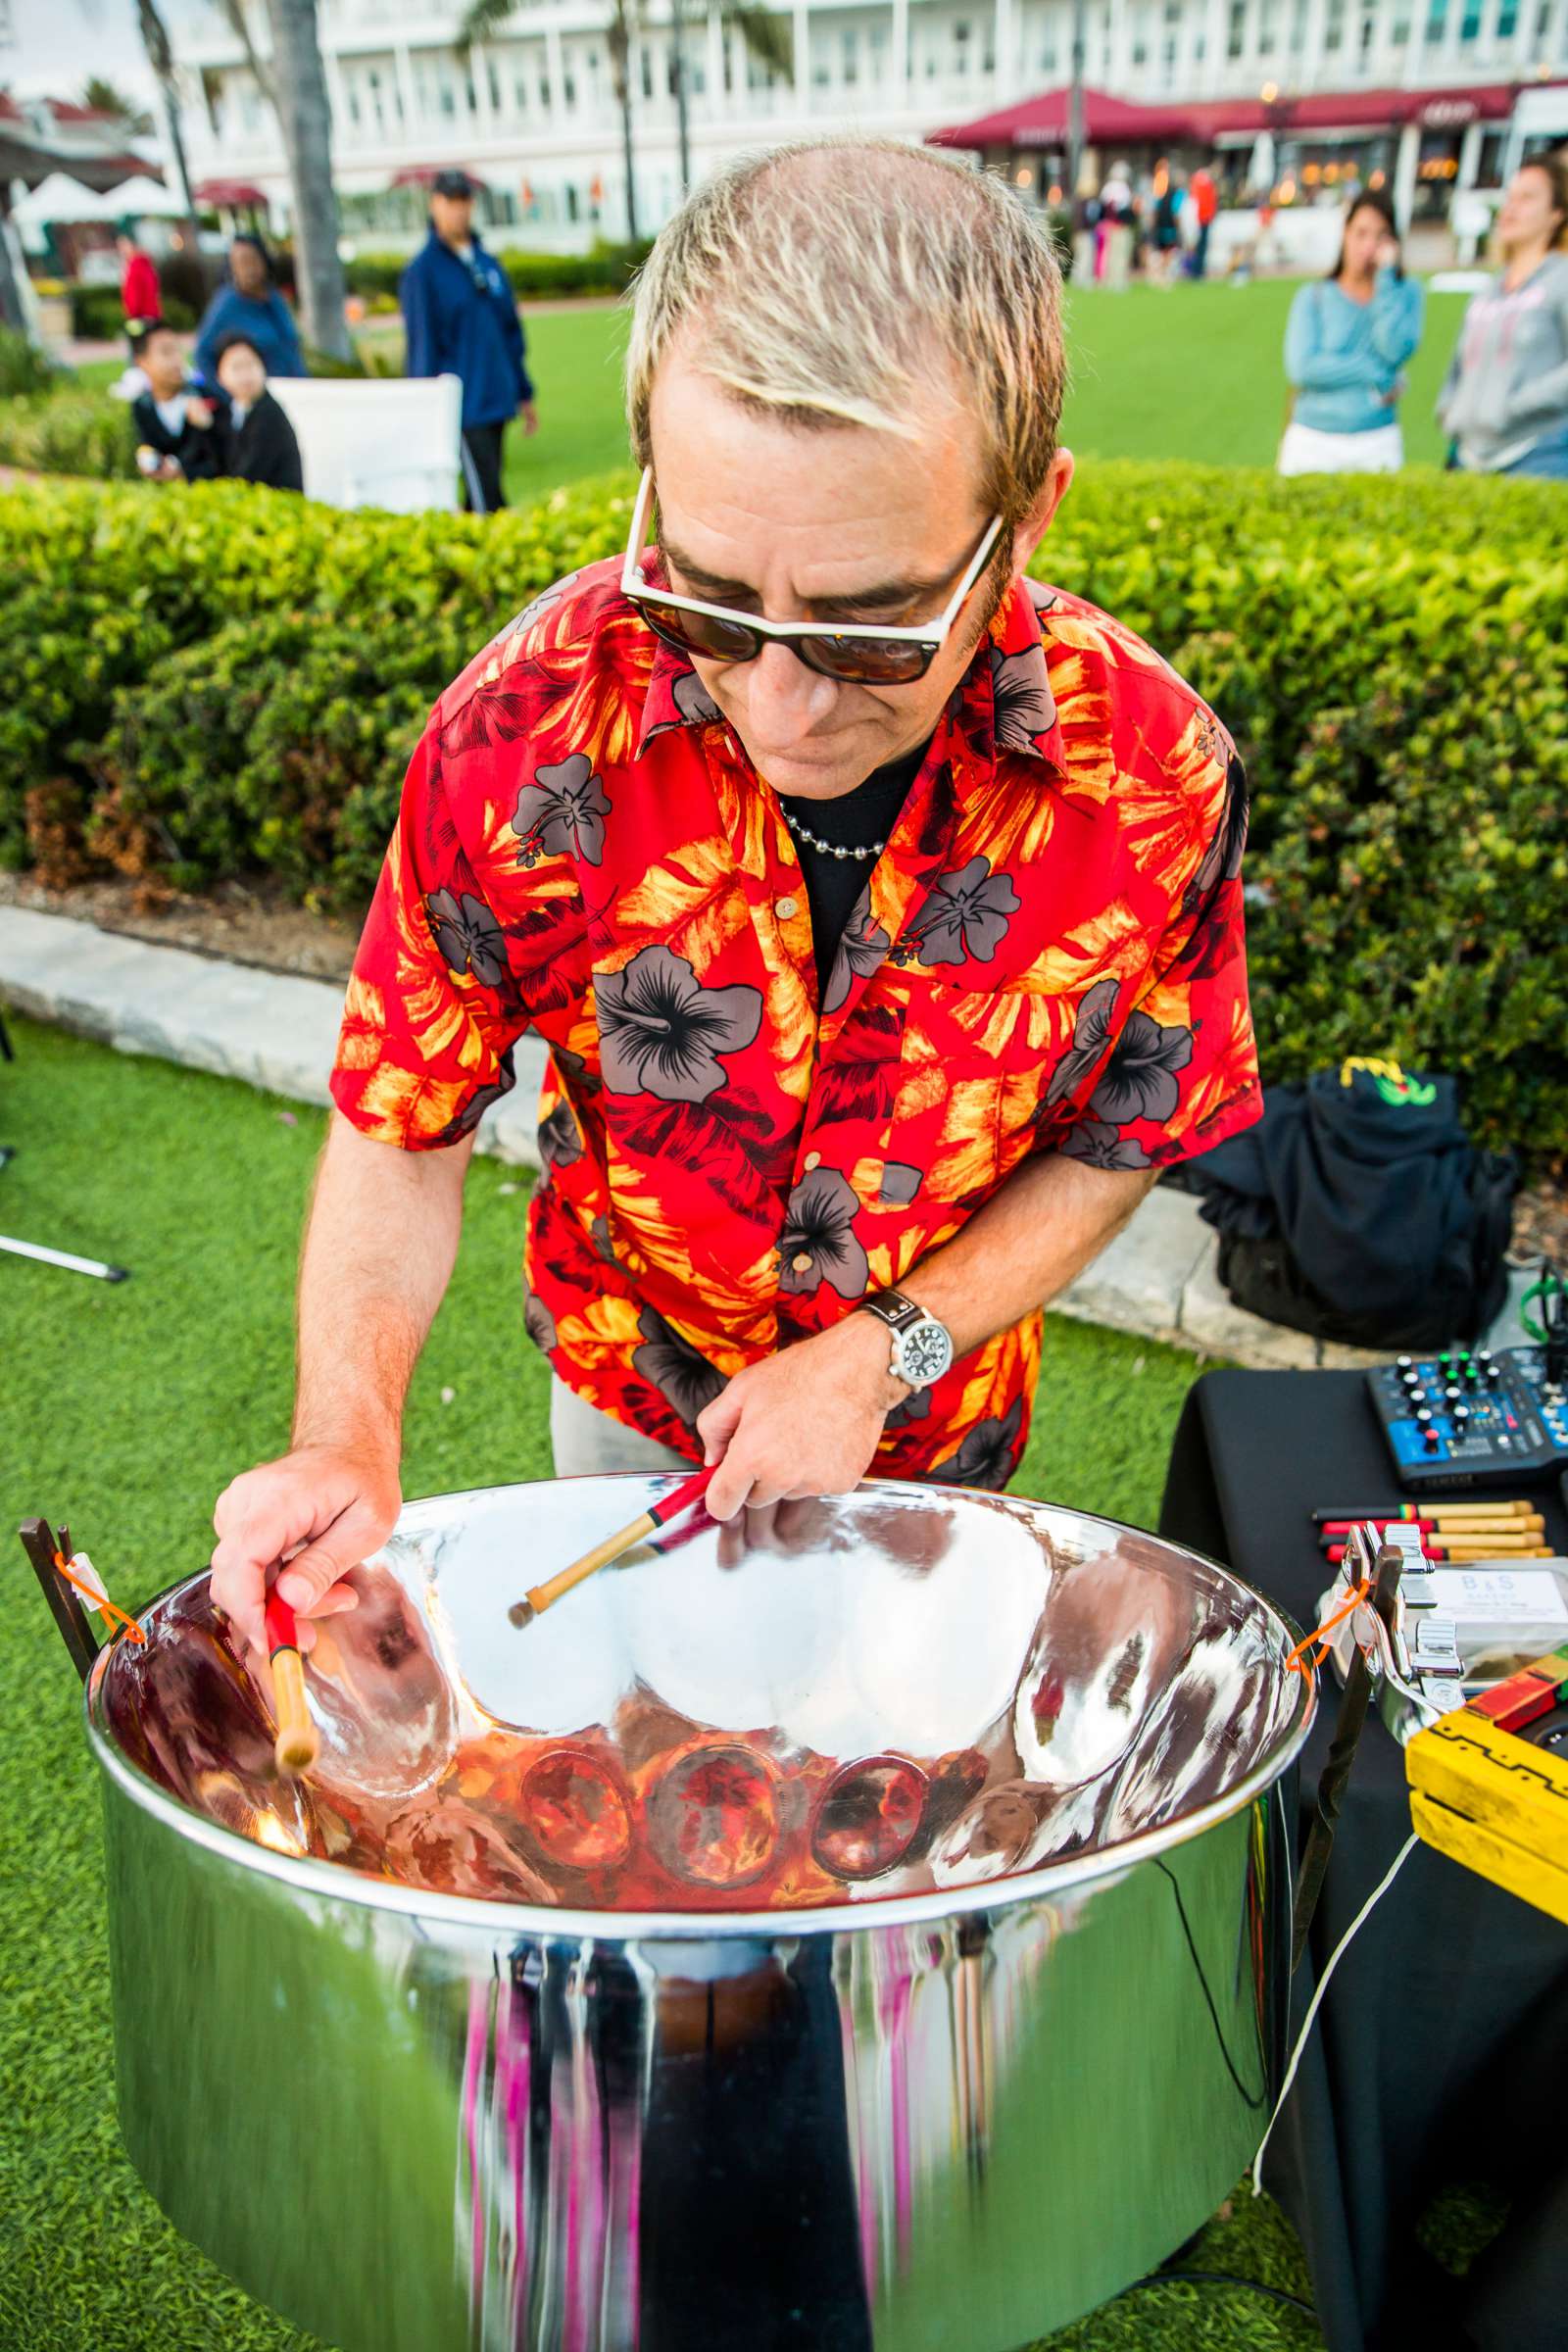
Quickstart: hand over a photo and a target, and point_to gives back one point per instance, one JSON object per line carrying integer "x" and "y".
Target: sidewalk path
{"x": 277, "y": 1032}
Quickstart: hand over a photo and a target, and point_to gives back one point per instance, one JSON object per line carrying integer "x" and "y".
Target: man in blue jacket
{"x": 462, "y": 320}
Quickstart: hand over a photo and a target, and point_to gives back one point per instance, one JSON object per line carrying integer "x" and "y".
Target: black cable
{"x": 1255, "y": 2287}
{"x": 1253, "y": 2099}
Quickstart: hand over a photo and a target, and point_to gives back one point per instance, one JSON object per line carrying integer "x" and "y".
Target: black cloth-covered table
{"x": 1440, "y": 2055}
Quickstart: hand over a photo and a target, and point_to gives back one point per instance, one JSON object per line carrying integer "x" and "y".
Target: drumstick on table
{"x": 669, "y": 1507}
{"x": 298, "y": 1743}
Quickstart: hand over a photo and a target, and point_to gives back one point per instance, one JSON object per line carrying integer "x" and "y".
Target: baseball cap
{"x": 452, "y": 184}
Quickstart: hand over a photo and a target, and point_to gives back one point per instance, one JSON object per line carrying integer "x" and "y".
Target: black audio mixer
{"x": 1471, "y": 1418}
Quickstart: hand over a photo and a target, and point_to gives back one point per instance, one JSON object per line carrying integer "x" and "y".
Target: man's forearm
{"x": 379, "y": 1249}
{"x": 1051, "y": 1218}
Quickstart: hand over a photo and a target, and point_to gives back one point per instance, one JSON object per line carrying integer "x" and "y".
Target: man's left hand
{"x": 804, "y": 1422}
{"x": 528, "y": 416}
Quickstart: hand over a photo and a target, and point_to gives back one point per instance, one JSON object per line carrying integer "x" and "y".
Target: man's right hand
{"x": 322, "y": 1510}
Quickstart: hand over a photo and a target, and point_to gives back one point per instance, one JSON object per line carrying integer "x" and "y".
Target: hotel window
{"x": 494, "y": 80}
{"x": 1298, "y": 28}
{"x": 647, "y": 70}
{"x": 1470, "y": 21}
{"x": 1437, "y": 20}
{"x": 1369, "y": 33}
{"x": 1267, "y": 26}
{"x": 849, "y": 64}
{"x": 1400, "y": 34}
{"x": 1237, "y": 43}
{"x": 1141, "y": 37}
{"x": 1507, "y": 22}
{"x": 1334, "y": 26}
{"x": 960, "y": 47}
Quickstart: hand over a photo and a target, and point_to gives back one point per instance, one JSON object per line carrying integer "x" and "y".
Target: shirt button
{"x": 784, "y": 908}
{"x": 814, "y": 1159}
{"x": 803, "y": 1264}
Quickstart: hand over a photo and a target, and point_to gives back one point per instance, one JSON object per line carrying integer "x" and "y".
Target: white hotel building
{"x": 1436, "y": 94}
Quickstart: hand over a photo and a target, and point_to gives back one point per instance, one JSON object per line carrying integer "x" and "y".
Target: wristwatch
{"x": 923, "y": 1348}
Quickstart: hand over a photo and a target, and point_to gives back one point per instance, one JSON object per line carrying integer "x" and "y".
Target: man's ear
{"x": 1035, "y": 525}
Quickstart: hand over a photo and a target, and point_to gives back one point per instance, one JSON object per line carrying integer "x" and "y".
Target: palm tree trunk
{"x": 677, "y": 60}
{"x": 305, "y": 115}
{"x": 161, "y": 56}
{"x": 620, "y": 38}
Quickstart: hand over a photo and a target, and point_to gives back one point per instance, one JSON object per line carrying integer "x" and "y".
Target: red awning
{"x": 421, "y": 175}
{"x": 1116, "y": 122}
{"x": 230, "y": 194}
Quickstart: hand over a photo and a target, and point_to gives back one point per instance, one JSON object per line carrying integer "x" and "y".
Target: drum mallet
{"x": 658, "y": 1514}
{"x": 298, "y": 1743}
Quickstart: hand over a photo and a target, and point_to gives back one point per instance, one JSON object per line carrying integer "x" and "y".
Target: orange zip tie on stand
{"x": 97, "y": 1597}
{"x": 1320, "y": 1641}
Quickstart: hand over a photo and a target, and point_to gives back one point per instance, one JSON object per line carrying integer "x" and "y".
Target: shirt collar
{"x": 1003, "y": 702}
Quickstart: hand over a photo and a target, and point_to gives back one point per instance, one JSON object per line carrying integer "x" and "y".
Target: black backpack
{"x": 1359, "y": 1210}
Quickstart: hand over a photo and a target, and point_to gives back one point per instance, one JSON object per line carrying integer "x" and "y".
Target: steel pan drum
{"x": 862, "y": 1927}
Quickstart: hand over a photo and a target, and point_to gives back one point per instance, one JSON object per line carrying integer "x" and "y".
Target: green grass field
{"x": 1194, "y": 373}
{"x": 1191, "y": 373}
{"x": 127, "y": 1409}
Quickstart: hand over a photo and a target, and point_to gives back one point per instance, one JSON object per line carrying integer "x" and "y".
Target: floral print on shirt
{"x": 1047, "y": 958}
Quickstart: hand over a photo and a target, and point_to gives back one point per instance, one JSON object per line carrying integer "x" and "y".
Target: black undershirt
{"x": 833, "y": 884}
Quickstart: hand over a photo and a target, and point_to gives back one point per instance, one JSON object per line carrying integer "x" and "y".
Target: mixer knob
{"x": 1402, "y": 1363}
{"x": 1430, "y": 1439}
{"x": 1493, "y": 1369}
{"x": 1417, "y": 1396}
{"x": 1423, "y": 1416}
{"x": 1451, "y": 1394}
{"x": 1472, "y": 1370}
{"x": 1461, "y": 1414}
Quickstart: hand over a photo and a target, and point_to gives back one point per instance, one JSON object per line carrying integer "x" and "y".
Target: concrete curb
{"x": 1157, "y": 1279}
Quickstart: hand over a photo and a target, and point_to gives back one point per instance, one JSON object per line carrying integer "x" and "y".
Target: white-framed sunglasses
{"x": 852, "y": 654}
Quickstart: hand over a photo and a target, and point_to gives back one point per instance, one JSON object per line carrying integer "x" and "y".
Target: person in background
{"x": 257, "y": 440}
{"x": 1167, "y": 231}
{"x": 138, "y": 281}
{"x": 1205, "y": 203}
{"x": 251, "y": 305}
{"x": 1346, "y": 340}
{"x": 460, "y": 318}
{"x": 1505, "y": 399}
{"x": 178, "y": 435}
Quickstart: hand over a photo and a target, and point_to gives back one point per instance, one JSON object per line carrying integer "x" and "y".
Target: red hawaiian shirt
{"x": 1047, "y": 958}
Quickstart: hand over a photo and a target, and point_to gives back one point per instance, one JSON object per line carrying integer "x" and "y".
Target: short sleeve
{"x": 434, "y": 1008}
{"x": 1182, "y": 1072}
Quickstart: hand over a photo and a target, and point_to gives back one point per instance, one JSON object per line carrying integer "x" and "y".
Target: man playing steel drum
{"x": 880, "y": 907}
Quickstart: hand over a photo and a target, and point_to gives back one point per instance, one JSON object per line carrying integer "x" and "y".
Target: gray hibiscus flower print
{"x": 539, "y": 1323}
{"x": 480, "y": 1101}
{"x": 965, "y": 914}
{"x": 686, "y": 1380}
{"x": 559, "y": 1142}
{"x": 575, "y": 1070}
{"x": 1139, "y": 1082}
{"x": 1023, "y": 698}
{"x": 661, "y": 1032}
{"x": 862, "y": 943}
{"x": 916, "y": 1406}
{"x": 693, "y": 700}
{"x": 562, "y": 812}
{"x": 541, "y": 604}
{"x": 1091, "y": 1035}
{"x": 1222, "y": 861}
{"x": 818, "y": 1242}
{"x": 900, "y": 1183}
{"x": 1101, "y": 1145}
{"x": 987, "y": 1454}
{"x": 469, "y": 937}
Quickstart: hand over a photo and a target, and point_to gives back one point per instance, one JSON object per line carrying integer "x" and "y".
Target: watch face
{"x": 925, "y": 1353}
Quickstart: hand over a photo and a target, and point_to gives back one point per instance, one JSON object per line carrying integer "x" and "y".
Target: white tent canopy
{"x": 64, "y": 199}
{"x": 143, "y": 199}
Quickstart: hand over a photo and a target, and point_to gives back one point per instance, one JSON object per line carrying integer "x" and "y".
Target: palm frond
{"x": 480, "y": 20}
{"x": 768, "y": 37}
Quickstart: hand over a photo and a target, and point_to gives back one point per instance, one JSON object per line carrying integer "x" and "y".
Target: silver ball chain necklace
{"x": 828, "y": 849}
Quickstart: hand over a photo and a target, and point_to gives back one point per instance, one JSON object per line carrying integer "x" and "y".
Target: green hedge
{"x": 224, "y": 682}
{"x": 98, "y": 315}
{"x": 605, "y": 269}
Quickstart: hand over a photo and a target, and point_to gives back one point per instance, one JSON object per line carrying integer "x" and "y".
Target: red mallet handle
{"x": 658, "y": 1514}
{"x": 298, "y": 1743}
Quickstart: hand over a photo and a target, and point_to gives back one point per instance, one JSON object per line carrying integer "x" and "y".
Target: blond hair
{"x": 827, "y": 282}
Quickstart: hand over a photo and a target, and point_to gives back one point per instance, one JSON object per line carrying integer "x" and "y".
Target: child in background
{"x": 175, "y": 419}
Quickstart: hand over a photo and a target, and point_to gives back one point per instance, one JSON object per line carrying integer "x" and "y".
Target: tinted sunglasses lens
{"x": 701, "y": 633}
{"x": 866, "y": 660}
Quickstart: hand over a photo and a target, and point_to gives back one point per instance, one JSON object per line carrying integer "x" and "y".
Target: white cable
{"x": 1375, "y": 1896}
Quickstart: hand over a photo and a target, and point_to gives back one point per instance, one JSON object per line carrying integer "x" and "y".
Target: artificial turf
{"x": 125, "y": 1409}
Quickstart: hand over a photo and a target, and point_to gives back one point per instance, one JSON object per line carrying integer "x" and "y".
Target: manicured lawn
{"x": 1192, "y": 372}
{"x": 126, "y": 1409}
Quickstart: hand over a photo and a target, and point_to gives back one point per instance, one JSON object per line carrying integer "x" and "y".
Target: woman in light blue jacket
{"x": 1348, "y": 339}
